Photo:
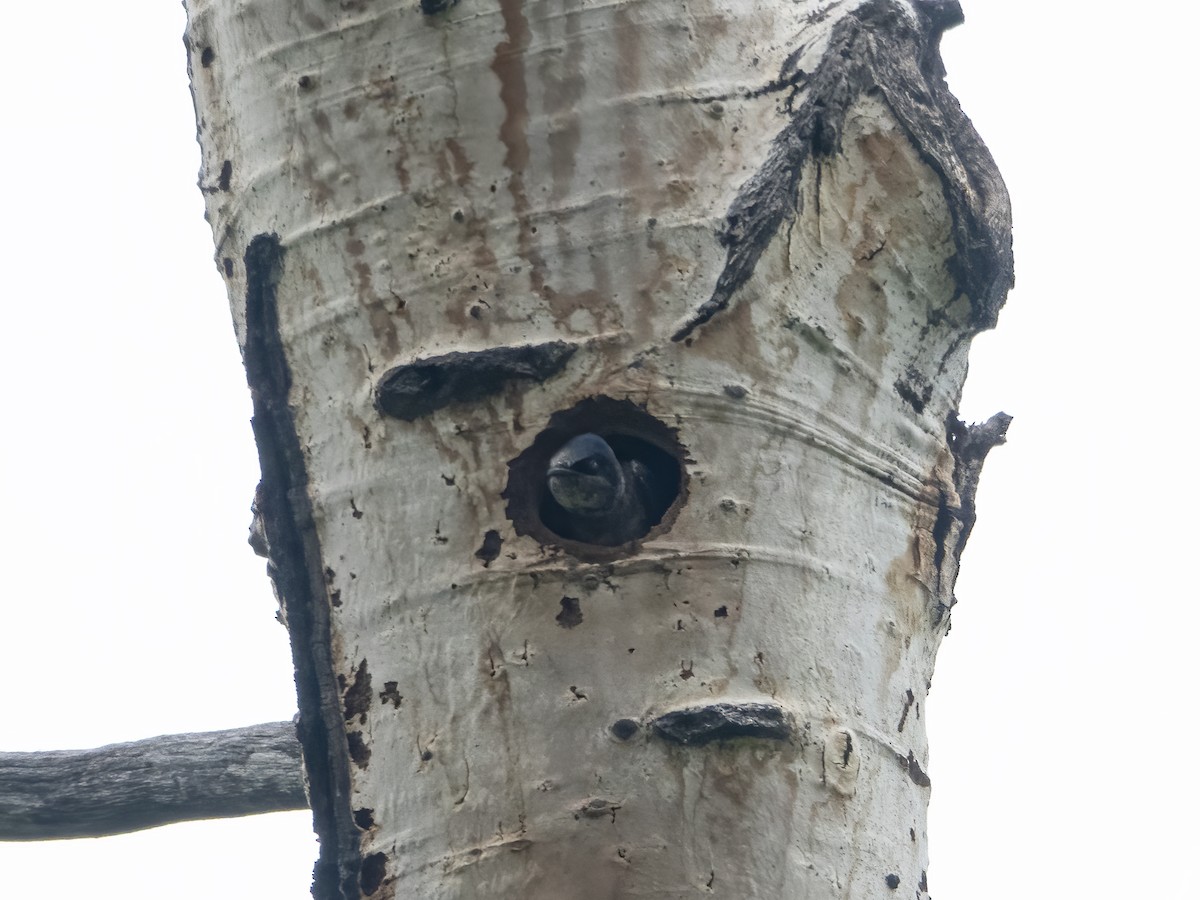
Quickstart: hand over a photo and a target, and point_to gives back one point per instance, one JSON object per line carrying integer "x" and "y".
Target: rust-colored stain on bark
{"x": 321, "y": 120}
{"x": 863, "y": 305}
{"x": 628, "y": 37}
{"x": 564, "y": 83}
{"x": 891, "y": 165}
{"x": 508, "y": 63}
{"x": 461, "y": 163}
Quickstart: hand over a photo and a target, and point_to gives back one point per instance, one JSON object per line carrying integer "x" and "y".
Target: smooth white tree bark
{"x": 758, "y": 238}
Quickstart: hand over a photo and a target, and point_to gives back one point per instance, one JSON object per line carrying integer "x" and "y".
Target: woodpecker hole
{"x": 636, "y": 437}
{"x": 624, "y": 729}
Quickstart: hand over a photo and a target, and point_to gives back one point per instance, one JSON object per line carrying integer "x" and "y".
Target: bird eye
{"x": 589, "y": 466}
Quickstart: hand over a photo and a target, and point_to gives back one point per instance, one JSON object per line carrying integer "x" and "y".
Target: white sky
{"x": 1065, "y": 697}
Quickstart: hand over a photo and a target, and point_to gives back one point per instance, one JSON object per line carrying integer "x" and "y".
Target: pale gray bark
{"x": 143, "y": 784}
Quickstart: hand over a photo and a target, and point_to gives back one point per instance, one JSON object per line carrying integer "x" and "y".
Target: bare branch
{"x": 143, "y": 784}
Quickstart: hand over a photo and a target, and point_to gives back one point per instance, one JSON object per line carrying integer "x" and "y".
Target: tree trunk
{"x": 748, "y": 245}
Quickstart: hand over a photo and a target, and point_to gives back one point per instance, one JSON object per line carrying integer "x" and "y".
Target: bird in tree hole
{"x": 600, "y": 499}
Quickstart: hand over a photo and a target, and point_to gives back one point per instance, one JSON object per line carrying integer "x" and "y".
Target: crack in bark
{"x": 298, "y": 576}
{"x": 878, "y": 47}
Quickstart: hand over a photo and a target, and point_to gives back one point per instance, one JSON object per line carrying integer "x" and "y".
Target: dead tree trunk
{"x": 745, "y": 244}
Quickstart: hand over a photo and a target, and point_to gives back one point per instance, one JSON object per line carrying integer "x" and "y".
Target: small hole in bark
{"x": 633, "y": 489}
{"x": 207, "y": 55}
{"x": 571, "y": 615}
{"x": 624, "y": 729}
{"x": 364, "y": 818}
{"x": 892, "y": 881}
{"x": 720, "y": 612}
{"x": 426, "y": 755}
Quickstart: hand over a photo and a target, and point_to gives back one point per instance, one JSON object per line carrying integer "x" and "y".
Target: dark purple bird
{"x": 606, "y": 501}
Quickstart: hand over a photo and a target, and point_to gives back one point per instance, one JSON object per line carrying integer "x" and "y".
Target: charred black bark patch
{"x": 374, "y": 868}
{"x": 701, "y": 725}
{"x": 877, "y": 47}
{"x": 969, "y": 445}
{"x": 358, "y": 749}
{"x": 915, "y": 772}
{"x": 941, "y": 15}
{"x": 357, "y": 697}
{"x": 914, "y": 389}
{"x": 426, "y": 385}
{"x": 909, "y": 700}
{"x": 570, "y": 615}
{"x": 298, "y": 574}
{"x": 490, "y": 548}
{"x": 391, "y": 694}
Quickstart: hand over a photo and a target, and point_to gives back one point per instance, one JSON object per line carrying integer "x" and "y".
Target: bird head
{"x": 584, "y": 476}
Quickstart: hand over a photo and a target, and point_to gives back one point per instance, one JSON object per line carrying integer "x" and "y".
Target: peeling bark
{"x": 970, "y": 445}
{"x": 877, "y": 48}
